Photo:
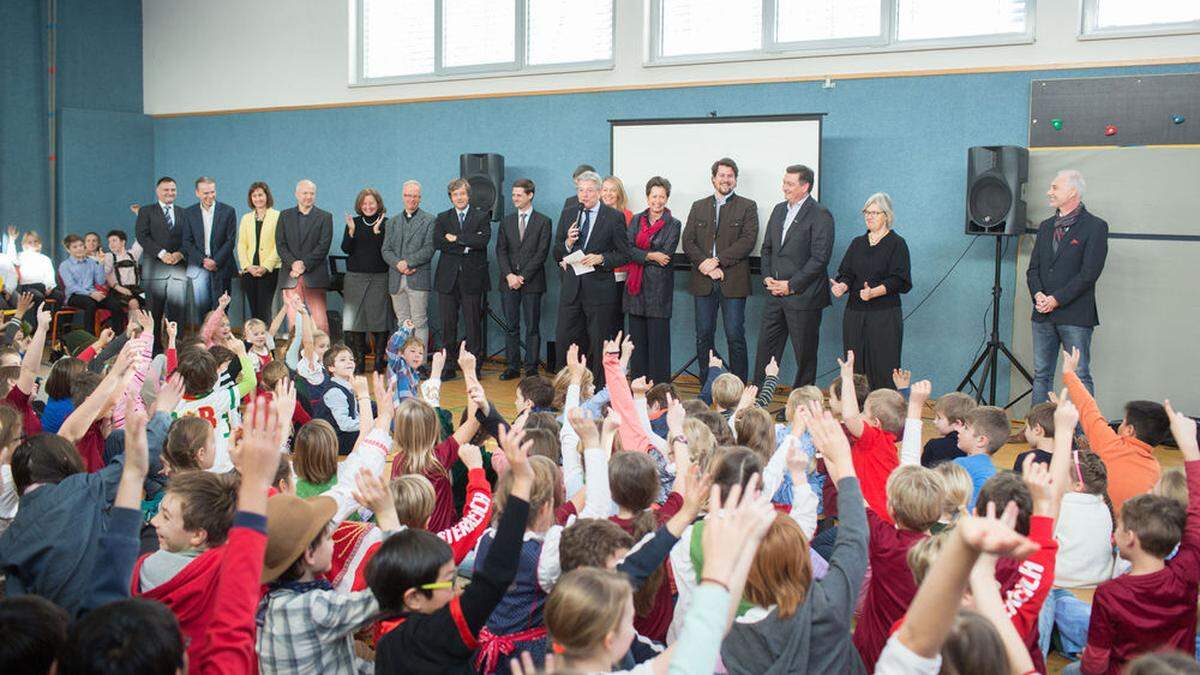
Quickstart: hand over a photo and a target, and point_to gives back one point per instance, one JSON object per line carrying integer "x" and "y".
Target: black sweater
{"x": 365, "y": 248}
{"x": 444, "y": 641}
{"x": 884, "y": 263}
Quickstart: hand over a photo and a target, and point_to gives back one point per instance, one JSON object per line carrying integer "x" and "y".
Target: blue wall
{"x": 105, "y": 148}
{"x": 905, "y": 136}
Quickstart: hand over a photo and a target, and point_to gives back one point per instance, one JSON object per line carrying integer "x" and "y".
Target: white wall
{"x": 235, "y": 54}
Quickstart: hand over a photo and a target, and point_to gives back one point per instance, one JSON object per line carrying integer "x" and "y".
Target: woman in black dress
{"x": 874, "y": 271}
{"x": 366, "y": 303}
{"x": 650, "y": 286}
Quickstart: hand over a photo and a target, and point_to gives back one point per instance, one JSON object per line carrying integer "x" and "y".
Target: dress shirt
{"x": 171, "y": 217}
{"x": 80, "y": 276}
{"x": 792, "y": 210}
{"x": 207, "y": 216}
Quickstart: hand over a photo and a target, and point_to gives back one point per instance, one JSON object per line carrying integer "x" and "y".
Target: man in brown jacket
{"x": 718, "y": 237}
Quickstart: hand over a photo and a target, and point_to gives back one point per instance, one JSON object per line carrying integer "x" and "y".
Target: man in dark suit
{"x": 521, "y": 250}
{"x": 209, "y": 235}
{"x": 302, "y": 238}
{"x": 462, "y": 234}
{"x": 572, "y": 202}
{"x": 159, "y": 230}
{"x": 795, "y": 255}
{"x": 720, "y": 233}
{"x": 589, "y": 303}
{"x": 1066, "y": 262}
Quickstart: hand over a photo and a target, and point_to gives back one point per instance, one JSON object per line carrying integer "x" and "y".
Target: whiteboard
{"x": 683, "y": 150}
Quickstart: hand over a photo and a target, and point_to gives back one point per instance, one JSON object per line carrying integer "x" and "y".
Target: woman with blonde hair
{"x": 875, "y": 271}
{"x": 612, "y": 193}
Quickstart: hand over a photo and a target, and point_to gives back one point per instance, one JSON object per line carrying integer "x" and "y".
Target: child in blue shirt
{"x": 985, "y": 431}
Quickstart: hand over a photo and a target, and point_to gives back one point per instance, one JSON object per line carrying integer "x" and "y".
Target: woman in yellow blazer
{"x": 257, "y": 257}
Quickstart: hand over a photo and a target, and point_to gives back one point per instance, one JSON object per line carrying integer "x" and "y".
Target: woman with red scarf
{"x": 650, "y": 286}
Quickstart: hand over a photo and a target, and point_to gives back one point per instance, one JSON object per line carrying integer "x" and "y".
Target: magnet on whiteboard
{"x": 1110, "y": 130}
{"x": 1177, "y": 119}
{"x": 1057, "y": 124}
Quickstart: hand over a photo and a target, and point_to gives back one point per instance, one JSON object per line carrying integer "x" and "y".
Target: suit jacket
{"x": 736, "y": 235}
{"x": 308, "y": 245}
{"x": 153, "y": 234}
{"x": 525, "y": 257}
{"x": 469, "y": 268}
{"x": 1069, "y": 274}
{"x": 658, "y": 282}
{"x": 224, "y": 235}
{"x": 803, "y": 257}
{"x": 412, "y": 242}
{"x": 608, "y": 238}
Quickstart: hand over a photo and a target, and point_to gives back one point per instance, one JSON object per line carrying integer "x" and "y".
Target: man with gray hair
{"x": 1064, "y": 266}
{"x": 302, "y": 239}
{"x": 408, "y": 249}
{"x": 589, "y": 303}
{"x": 209, "y": 235}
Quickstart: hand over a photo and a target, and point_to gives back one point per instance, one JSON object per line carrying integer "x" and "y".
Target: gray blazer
{"x": 803, "y": 258}
{"x": 310, "y": 245}
{"x": 411, "y": 241}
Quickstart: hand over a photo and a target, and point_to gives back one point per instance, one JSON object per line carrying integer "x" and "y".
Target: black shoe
{"x": 510, "y": 374}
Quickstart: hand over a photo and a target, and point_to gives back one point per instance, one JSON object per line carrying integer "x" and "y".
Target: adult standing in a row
{"x": 408, "y": 251}
{"x": 208, "y": 238}
{"x": 462, "y": 234}
{"x": 875, "y": 270}
{"x": 521, "y": 250}
{"x": 720, "y": 234}
{"x": 364, "y": 291}
{"x": 650, "y": 286}
{"x": 257, "y": 255}
{"x": 159, "y": 230}
{"x": 589, "y": 302}
{"x": 795, "y": 261}
{"x": 302, "y": 239}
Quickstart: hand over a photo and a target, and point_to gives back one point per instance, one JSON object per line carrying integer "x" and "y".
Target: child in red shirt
{"x": 873, "y": 434}
{"x": 1154, "y": 605}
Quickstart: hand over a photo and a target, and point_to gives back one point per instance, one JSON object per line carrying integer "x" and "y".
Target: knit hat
{"x": 292, "y": 524}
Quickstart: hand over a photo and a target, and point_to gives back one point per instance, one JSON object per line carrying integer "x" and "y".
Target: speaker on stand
{"x": 996, "y": 178}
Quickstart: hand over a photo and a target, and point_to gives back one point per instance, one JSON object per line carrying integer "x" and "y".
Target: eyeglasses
{"x": 439, "y": 585}
{"x": 872, "y": 213}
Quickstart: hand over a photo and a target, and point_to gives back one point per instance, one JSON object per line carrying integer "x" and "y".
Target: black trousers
{"x": 260, "y": 291}
{"x": 803, "y": 326}
{"x": 471, "y": 305}
{"x": 358, "y": 344}
{"x": 651, "y": 348}
{"x": 520, "y": 306}
{"x": 89, "y": 305}
{"x": 876, "y": 338}
{"x": 588, "y": 326}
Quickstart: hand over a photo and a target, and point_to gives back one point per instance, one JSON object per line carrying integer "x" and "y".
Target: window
{"x": 423, "y": 39}
{"x": 683, "y": 30}
{"x": 1120, "y": 18}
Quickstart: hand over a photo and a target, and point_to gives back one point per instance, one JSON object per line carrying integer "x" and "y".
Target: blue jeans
{"x": 202, "y": 291}
{"x": 1048, "y": 340}
{"x": 733, "y": 312}
{"x": 1070, "y": 615}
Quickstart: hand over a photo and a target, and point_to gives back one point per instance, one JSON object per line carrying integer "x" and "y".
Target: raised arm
{"x": 910, "y": 447}
{"x": 31, "y": 364}
{"x": 1095, "y": 425}
{"x": 113, "y": 385}
{"x": 851, "y": 415}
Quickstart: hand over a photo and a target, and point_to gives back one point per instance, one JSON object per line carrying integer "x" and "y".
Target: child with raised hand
{"x": 873, "y": 430}
{"x": 933, "y": 628}
{"x": 304, "y": 623}
{"x": 1128, "y": 452}
{"x": 793, "y": 614}
{"x": 216, "y": 328}
{"x": 1154, "y": 605}
{"x": 405, "y": 356}
{"x": 590, "y": 612}
{"x": 260, "y": 338}
{"x": 910, "y": 445}
{"x": 213, "y": 403}
{"x": 427, "y": 626}
{"x": 20, "y": 393}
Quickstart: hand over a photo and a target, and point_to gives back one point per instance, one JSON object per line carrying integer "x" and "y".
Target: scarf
{"x": 645, "y": 233}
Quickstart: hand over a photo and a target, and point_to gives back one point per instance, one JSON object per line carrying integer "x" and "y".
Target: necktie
{"x": 462, "y": 218}
{"x": 169, "y": 213}
{"x": 521, "y": 228}
{"x": 583, "y": 229}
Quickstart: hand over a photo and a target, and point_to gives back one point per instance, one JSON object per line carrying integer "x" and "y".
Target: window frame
{"x": 516, "y": 68}
{"x": 1089, "y": 29}
{"x": 772, "y": 49}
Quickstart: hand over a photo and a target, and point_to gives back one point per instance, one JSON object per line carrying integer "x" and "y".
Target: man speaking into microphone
{"x": 590, "y": 243}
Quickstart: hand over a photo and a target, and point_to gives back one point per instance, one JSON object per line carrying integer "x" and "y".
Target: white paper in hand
{"x": 573, "y": 259}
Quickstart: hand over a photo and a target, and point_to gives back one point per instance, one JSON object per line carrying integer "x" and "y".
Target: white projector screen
{"x": 683, "y": 150}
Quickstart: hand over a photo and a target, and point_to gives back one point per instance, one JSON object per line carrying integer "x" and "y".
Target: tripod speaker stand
{"x": 989, "y": 358}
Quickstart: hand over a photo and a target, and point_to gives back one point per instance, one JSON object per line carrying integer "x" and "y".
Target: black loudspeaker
{"x": 996, "y": 176}
{"x": 484, "y": 172}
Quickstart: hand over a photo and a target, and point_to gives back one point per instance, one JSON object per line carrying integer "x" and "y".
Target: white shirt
{"x": 207, "y": 216}
{"x": 792, "y": 210}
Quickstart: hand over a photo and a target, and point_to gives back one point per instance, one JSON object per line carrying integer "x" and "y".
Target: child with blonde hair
{"x": 314, "y": 458}
{"x": 260, "y": 338}
{"x": 958, "y": 488}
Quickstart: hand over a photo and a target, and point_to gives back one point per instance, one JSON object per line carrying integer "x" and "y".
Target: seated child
{"x": 204, "y": 398}
{"x": 959, "y": 488}
{"x": 949, "y": 417}
{"x": 415, "y": 440}
{"x": 986, "y": 431}
{"x": 534, "y": 394}
{"x": 190, "y": 446}
{"x": 84, "y": 286}
{"x": 1039, "y": 434}
{"x": 260, "y": 338}
{"x": 314, "y": 458}
{"x": 1154, "y": 605}
{"x": 341, "y": 395}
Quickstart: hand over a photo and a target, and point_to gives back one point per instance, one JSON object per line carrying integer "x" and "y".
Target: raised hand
{"x": 847, "y": 366}
{"x": 259, "y": 458}
{"x": 772, "y": 368}
{"x": 639, "y": 387}
{"x": 24, "y": 303}
{"x": 516, "y": 450}
{"x": 675, "y": 415}
{"x": 1183, "y": 429}
{"x": 734, "y": 525}
{"x": 1070, "y": 360}
{"x": 385, "y": 396}
{"x": 988, "y": 534}
{"x": 919, "y": 392}
{"x": 1066, "y": 415}
{"x": 437, "y": 364}
{"x": 581, "y": 421}
{"x": 613, "y": 346}
{"x": 466, "y": 360}
{"x": 169, "y": 394}
{"x": 749, "y": 394}
{"x": 106, "y": 336}
{"x": 829, "y": 439}
{"x": 626, "y": 350}
{"x": 479, "y": 397}
{"x": 360, "y": 386}
{"x": 223, "y": 301}
{"x": 714, "y": 361}
{"x": 137, "y": 456}
{"x": 1036, "y": 476}
{"x": 901, "y": 378}
{"x": 43, "y": 318}
{"x": 471, "y": 456}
